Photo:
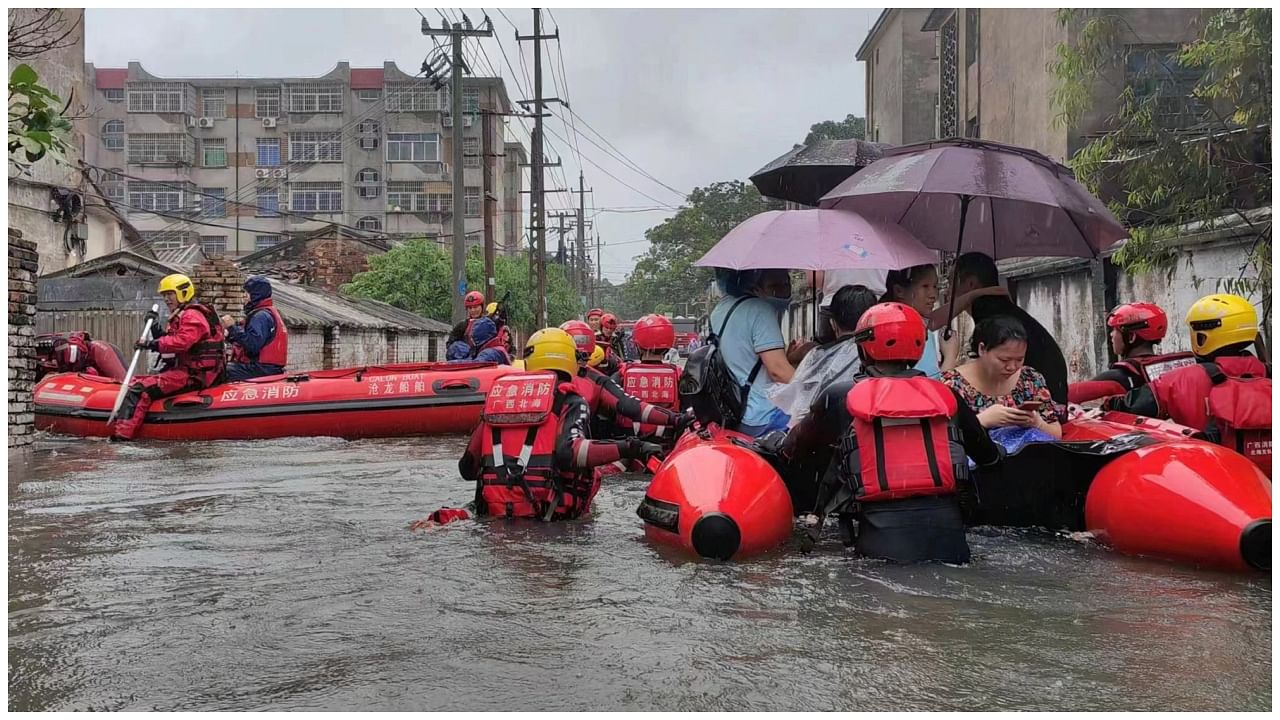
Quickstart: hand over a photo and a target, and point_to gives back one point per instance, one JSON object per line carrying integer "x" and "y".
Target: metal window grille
{"x": 157, "y": 97}
{"x": 213, "y": 152}
{"x": 367, "y": 183}
{"x": 213, "y": 244}
{"x": 315, "y": 147}
{"x": 369, "y": 222}
{"x": 214, "y": 202}
{"x": 268, "y": 152}
{"x": 266, "y": 102}
{"x": 113, "y": 95}
{"x": 113, "y": 135}
{"x": 156, "y": 148}
{"x": 1155, "y": 75}
{"x": 949, "y": 115}
{"x": 440, "y": 202}
{"x": 162, "y": 197}
{"x": 471, "y": 152}
{"x": 471, "y": 202}
{"x": 166, "y": 239}
{"x": 470, "y": 101}
{"x": 113, "y": 185}
{"x": 413, "y": 147}
{"x": 268, "y": 202}
{"x": 406, "y": 196}
{"x": 315, "y": 98}
{"x": 413, "y": 97}
{"x": 262, "y": 242}
{"x": 213, "y": 103}
{"x": 315, "y": 197}
{"x": 368, "y": 127}
{"x": 368, "y": 95}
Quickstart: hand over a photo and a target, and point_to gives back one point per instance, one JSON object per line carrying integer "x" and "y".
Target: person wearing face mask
{"x": 748, "y": 323}
{"x": 998, "y": 385}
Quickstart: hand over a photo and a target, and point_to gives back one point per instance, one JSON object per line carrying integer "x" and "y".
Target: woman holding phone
{"x": 996, "y": 383}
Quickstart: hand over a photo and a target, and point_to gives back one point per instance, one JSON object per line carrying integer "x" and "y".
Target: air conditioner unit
{"x": 268, "y": 122}
{"x": 205, "y": 122}
{"x": 262, "y": 173}
{"x": 369, "y": 143}
{"x": 279, "y": 173}
{"x": 447, "y": 121}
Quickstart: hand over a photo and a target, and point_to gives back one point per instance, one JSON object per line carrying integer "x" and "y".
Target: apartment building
{"x": 240, "y": 164}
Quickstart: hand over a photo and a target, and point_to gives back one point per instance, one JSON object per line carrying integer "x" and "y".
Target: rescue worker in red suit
{"x": 902, "y": 439}
{"x": 474, "y": 304}
{"x": 532, "y": 455}
{"x": 193, "y": 349}
{"x": 651, "y": 379}
{"x": 259, "y": 343}
{"x": 1135, "y": 328}
{"x": 79, "y": 353}
{"x": 1226, "y": 393}
{"x": 607, "y": 339}
{"x": 608, "y": 401}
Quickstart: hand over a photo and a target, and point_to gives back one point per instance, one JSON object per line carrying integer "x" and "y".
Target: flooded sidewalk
{"x": 280, "y": 575}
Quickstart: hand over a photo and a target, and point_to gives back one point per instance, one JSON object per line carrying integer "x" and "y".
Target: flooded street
{"x": 280, "y": 575}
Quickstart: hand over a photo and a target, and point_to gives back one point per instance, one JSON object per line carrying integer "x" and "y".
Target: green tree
{"x": 1165, "y": 159}
{"x": 415, "y": 277}
{"x": 851, "y": 128}
{"x": 37, "y": 126}
{"x": 665, "y": 277}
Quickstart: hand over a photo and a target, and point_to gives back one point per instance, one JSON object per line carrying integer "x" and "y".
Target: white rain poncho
{"x": 819, "y": 369}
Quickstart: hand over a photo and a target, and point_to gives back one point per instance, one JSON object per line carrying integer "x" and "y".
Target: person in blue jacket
{"x": 259, "y": 343}
{"x": 483, "y": 344}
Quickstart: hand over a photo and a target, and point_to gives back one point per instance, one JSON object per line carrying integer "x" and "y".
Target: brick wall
{"x": 23, "y": 267}
{"x": 306, "y": 349}
{"x": 220, "y": 285}
{"x": 335, "y": 262}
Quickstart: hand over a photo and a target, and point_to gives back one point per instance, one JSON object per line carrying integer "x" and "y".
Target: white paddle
{"x": 137, "y": 352}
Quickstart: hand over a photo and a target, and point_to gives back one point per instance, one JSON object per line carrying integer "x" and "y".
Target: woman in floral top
{"x": 997, "y": 382}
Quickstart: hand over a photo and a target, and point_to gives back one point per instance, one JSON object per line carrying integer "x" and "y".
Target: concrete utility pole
{"x": 581, "y": 277}
{"x": 596, "y": 287}
{"x": 457, "y": 33}
{"x": 490, "y": 203}
{"x": 537, "y": 206}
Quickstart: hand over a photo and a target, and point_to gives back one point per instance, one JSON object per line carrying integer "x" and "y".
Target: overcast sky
{"x": 692, "y": 97}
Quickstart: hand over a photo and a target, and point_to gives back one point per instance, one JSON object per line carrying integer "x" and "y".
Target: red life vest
{"x": 1231, "y": 395}
{"x": 654, "y": 383}
{"x": 519, "y": 430}
{"x": 901, "y": 437}
{"x": 276, "y": 351}
{"x": 207, "y": 357}
{"x": 1150, "y": 367}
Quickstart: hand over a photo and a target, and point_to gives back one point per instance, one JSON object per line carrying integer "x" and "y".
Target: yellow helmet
{"x": 1217, "y": 321}
{"x": 597, "y": 357}
{"x": 491, "y": 308}
{"x": 551, "y": 349}
{"x": 179, "y": 285}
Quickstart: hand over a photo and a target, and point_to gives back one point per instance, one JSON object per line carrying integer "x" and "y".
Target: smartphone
{"x": 1031, "y": 405}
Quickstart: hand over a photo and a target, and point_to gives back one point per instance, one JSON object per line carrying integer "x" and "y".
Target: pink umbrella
{"x": 816, "y": 240}
{"x": 970, "y": 195}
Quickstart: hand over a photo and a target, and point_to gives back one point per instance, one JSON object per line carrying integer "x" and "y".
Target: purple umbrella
{"x": 970, "y": 195}
{"x": 816, "y": 240}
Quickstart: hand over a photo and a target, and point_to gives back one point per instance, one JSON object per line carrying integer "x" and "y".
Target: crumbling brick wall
{"x": 333, "y": 263}
{"x": 24, "y": 264}
{"x": 220, "y": 285}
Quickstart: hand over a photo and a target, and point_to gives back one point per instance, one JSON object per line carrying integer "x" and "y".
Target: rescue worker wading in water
{"x": 193, "y": 342}
{"x": 532, "y": 456}
{"x": 651, "y": 379}
{"x": 1135, "y": 328}
{"x": 902, "y": 439}
{"x": 1227, "y": 393}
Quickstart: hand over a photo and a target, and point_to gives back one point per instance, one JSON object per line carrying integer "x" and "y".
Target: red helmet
{"x": 654, "y": 332}
{"x": 583, "y": 336}
{"x": 891, "y": 331}
{"x": 475, "y": 298}
{"x": 594, "y": 313}
{"x": 1145, "y": 321}
{"x": 608, "y": 321}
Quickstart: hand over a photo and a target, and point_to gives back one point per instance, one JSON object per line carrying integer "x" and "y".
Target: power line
{"x": 615, "y": 177}
{"x": 623, "y": 156}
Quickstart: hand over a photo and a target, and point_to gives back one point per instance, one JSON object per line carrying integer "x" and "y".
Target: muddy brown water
{"x": 280, "y": 575}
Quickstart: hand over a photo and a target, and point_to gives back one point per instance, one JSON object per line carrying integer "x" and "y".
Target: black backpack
{"x": 707, "y": 384}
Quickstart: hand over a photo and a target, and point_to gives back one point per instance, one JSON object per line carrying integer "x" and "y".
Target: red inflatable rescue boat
{"x": 381, "y": 401}
{"x": 716, "y": 497}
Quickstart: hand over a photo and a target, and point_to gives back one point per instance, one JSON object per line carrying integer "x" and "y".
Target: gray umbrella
{"x": 807, "y": 172}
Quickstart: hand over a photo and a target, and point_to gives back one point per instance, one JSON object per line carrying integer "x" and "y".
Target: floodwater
{"x": 280, "y": 575}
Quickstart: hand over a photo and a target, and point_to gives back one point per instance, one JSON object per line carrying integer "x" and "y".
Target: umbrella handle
{"x": 951, "y": 304}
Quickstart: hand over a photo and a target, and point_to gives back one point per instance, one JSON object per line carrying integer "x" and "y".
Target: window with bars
{"x": 471, "y": 152}
{"x": 154, "y": 148}
{"x": 213, "y": 152}
{"x": 406, "y": 196}
{"x": 471, "y": 101}
{"x": 1155, "y": 75}
{"x": 214, "y": 202}
{"x": 112, "y": 183}
{"x": 157, "y": 97}
{"x": 414, "y": 97}
{"x": 368, "y": 95}
{"x": 268, "y": 152}
{"x": 949, "y": 81}
{"x": 315, "y": 147}
{"x": 113, "y": 95}
{"x": 315, "y": 98}
{"x": 266, "y": 102}
{"x": 262, "y": 242}
{"x": 268, "y": 202}
{"x": 213, "y": 103}
{"x": 315, "y": 197}
{"x": 440, "y": 202}
{"x": 369, "y": 222}
{"x": 165, "y": 239}
{"x": 413, "y": 147}
{"x": 367, "y": 183}
{"x": 113, "y": 135}
{"x": 213, "y": 244}
{"x": 471, "y": 202}
{"x": 149, "y": 196}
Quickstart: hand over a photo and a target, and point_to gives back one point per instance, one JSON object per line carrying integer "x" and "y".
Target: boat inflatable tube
{"x": 717, "y": 498}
